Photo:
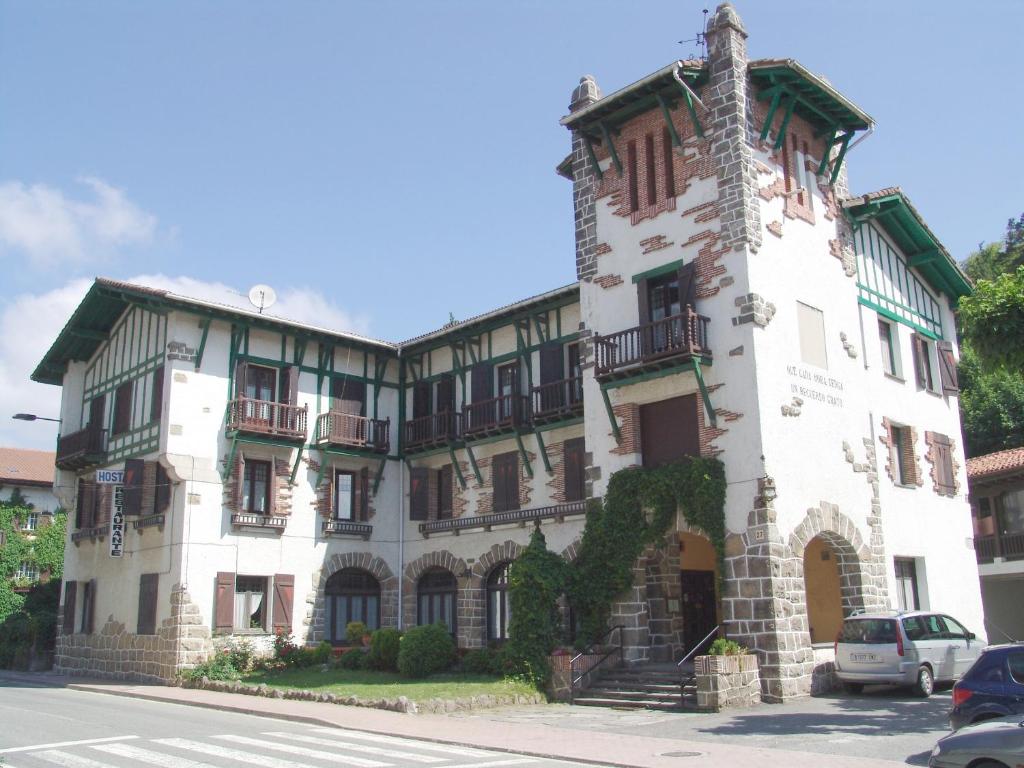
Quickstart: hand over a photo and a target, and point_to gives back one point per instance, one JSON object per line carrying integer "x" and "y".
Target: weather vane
{"x": 700, "y": 39}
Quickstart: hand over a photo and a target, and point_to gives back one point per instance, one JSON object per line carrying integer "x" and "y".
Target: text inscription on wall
{"x": 815, "y": 385}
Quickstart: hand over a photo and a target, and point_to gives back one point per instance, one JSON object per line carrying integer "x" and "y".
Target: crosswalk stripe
{"x": 295, "y": 750}
{"x": 509, "y": 761}
{"x": 264, "y": 761}
{"x": 68, "y": 760}
{"x": 56, "y": 744}
{"x": 148, "y": 756}
{"x": 398, "y": 741}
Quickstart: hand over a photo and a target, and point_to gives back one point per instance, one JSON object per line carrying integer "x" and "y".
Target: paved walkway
{"x": 550, "y": 738}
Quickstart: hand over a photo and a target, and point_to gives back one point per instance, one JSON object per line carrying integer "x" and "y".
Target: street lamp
{"x": 33, "y": 417}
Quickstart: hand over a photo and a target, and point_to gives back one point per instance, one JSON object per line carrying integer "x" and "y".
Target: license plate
{"x": 863, "y": 657}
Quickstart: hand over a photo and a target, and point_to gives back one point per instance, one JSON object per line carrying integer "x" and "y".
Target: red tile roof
{"x": 1003, "y": 462}
{"x": 21, "y": 466}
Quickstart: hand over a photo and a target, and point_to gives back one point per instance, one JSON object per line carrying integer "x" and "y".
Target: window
{"x": 88, "y": 505}
{"x": 148, "y": 584}
{"x": 954, "y": 629}
{"x": 508, "y": 388}
{"x": 573, "y": 458}
{"x": 663, "y": 296}
{"x": 352, "y": 595}
{"x": 435, "y": 598}
{"x": 499, "y": 610}
{"x": 811, "y": 327}
{"x": 348, "y": 396}
{"x": 256, "y": 487}
{"x": 902, "y": 446}
{"x": 575, "y": 372}
{"x": 31, "y": 521}
{"x": 669, "y": 430}
{"x": 505, "y": 470}
{"x": 444, "y": 492}
{"x": 1011, "y": 518}
{"x": 27, "y": 571}
{"x": 123, "y": 408}
{"x": 156, "y": 405}
{"x": 260, "y": 383}
{"x": 906, "y": 584}
{"x": 1015, "y": 662}
{"x": 250, "y": 603}
{"x": 923, "y": 368}
{"x": 888, "y": 340}
{"x": 344, "y": 491}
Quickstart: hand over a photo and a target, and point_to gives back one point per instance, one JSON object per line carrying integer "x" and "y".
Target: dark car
{"x": 997, "y": 743}
{"x": 992, "y": 687}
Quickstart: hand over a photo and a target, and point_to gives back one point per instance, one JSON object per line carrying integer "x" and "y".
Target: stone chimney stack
{"x": 730, "y": 113}
{"x": 584, "y": 184}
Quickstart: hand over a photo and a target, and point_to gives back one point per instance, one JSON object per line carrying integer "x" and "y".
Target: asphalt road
{"x": 42, "y": 726}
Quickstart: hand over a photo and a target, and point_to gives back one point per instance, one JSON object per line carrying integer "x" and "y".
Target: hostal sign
{"x": 115, "y": 477}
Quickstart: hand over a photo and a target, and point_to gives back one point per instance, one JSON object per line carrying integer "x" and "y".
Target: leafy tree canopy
{"x": 993, "y": 321}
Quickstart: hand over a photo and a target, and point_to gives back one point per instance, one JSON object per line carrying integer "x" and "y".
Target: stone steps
{"x": 641, "y": 687}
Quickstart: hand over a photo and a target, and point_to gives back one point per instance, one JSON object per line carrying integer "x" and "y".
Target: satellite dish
{"x": 262, "y": 296}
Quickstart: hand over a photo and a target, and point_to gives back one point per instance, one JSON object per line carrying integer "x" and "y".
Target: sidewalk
{"x": 533, "y": 739}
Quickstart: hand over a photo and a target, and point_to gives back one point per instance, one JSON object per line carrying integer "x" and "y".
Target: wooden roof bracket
{"x": 593, "y": 157}
{"x": 611, "y": 414}
{"x": 543, "y": 451}
{"x": 704, "y": 395}
{"x": 380, "y": 474}
{"x": 295, "y": 466}
{"x": 472, "y": 463}
{"x": 611, "y": 148}
{"x": 205, "y": 325}
{"x": 457, "y": 468}
{"x": 839, "y": 158}
{"x": 524, "y": 455}
{"x": 668, "y": 121}
{"x": 226, "y": 473}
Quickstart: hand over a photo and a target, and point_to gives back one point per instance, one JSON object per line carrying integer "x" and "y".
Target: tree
{"x": 993, "y": 321}
{"x": 991, "y": 406}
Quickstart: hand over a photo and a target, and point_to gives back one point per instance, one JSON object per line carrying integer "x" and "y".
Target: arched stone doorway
{"x": 823, "y": 588}
{"x": 698, "y": 597}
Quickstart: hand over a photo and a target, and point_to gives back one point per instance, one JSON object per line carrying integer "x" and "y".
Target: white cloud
{"x": 49, "y": 227}
{"x": 29, "y": 324}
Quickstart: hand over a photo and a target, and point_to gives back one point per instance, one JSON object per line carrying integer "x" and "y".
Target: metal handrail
{"x": 588, "y": 651}
{"x": 708, "y": 636}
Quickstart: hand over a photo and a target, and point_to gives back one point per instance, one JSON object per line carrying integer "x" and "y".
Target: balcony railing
{"x": 264, "y": 417}
{"x": 495, "y": 416}
{"x": 81, "y": 449}
{"x": 562, "y": 399}
{"x": 256, "y": 520}
{"x": 347, "y": 528}
{"x": 432, "y": 431}
{"x": 652, "y": 345}
{"x": 1009, "y": 546}
{"x": 351, "y": 431}
{"x": 521, "y": 516}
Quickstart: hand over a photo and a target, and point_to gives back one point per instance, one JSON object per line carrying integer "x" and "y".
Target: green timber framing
{"x": 786, "y": 85}
{"x": 599, "y": 122}
{"x": 472, "y": 342}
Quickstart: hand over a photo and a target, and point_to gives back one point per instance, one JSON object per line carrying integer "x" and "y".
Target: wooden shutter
{"x": 505, "y": 481}
{"x": 420, "y": 399}
{"x": 942, "y": 456}
{"x": 419, "y": 499}
{"x": 483, "y": 382}
{"x": 919, "y": 348}
{"x": 572, "y": 458}
{"x": 241, "y": 372}
{"x": 96, "y": 407}
{"x": 643, "y": 301}
{"x": 947, "y": 369}
{"x": 289, "y": 394}
{"x": 444, "y": 492}
{"x": 669, "y": 430}
{"x": 224, "y": 602}
{"x": 327, "y": 510}
{"x": 552, "y": 362}
{"x": 148, "y": 584}
{"x": 80, "y": 505}
{"x": 132, "y": 499}
{"x": 239, "y": 482}
{"x": 70, "y": 593}
{"x": 272, "y": 487}
{"x": 361, "y": 495}
{"x": 687, "y": 285}
{"x": 284, "y": 597}
{"x": 162, "y": 496}
{"x": 446, "y": 394}
{"x": 156, "y": 403}
{"x": 90, "y": 608}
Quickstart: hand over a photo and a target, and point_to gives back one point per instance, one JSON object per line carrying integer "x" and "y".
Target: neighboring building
{"x": 997, "y": 507}
{"x": 28, "y": 475}
{"x": 732, "y": 300}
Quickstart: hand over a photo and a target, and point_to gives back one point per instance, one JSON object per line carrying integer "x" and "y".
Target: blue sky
{"x": 386, "y": 163}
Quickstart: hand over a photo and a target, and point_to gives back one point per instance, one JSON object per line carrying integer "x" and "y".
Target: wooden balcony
{"x": 267, "y": 419}
{"x": 82, "y": 449}
{"x": 1008, "y": 546}
{"x": 433, "y": 431}
{"x": 652, "y": 346}
{"x": 558, "y": 400}
{"x": 495, "y": 416}
{"x": 348, "y": 431}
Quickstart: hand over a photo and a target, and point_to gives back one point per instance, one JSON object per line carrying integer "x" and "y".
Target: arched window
{"x": 352, "y": 595}
{"x": 499, "y": 611}
{"x": 435, "y": 598}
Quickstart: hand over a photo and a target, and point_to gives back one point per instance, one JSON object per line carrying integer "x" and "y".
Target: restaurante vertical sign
{"x": 115, "y": 477}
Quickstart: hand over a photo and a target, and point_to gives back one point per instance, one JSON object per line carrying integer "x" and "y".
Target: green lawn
{"x": 387, "y": 685}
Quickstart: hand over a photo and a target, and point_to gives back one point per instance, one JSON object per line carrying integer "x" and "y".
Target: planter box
{"x": 727, "y": 682}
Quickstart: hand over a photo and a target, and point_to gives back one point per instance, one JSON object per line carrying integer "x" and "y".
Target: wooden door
{"x": 699, "y": 608}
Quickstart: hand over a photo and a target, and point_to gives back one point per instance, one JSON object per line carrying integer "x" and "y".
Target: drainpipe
{"x": 401, "y": 538}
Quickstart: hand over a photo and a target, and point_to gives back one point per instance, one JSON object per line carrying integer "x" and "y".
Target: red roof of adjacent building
{"x": 22, "y": 466}
{"x": 999, "y": 463}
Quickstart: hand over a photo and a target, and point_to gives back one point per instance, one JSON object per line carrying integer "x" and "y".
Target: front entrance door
{"x": 699, "y": 609}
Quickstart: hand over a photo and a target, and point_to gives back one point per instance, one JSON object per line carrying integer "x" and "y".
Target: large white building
{"x": 733, "y": 300}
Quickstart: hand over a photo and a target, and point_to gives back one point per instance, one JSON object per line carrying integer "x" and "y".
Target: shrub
{"x": 242, "y": 655}
{"x": 723, "y": 647}
{"x": 219, "y": 667}
{"x": 322, "y": 653}
{"x": 355, "y": 631}
{"x": 384, "y": 647}
{"x": 355, "y": 658}
{"x": 425, "y": 650}
{"x": 481, "y": 661}
{"x": 285, "y": 648}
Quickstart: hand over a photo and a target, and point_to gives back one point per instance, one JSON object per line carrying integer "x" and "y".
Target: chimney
{"x": 584, "y": 184}
{"x": 729, "y": 132}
